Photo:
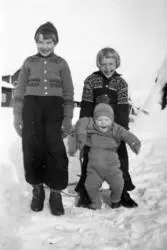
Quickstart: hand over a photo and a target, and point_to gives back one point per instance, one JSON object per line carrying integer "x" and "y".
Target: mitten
{"x": 18, "y": 124}
{"x": 81, "y": 141}
{"x": 66, "y": 126}
{"x": 71, "y": 144}
{"x": 136, "y": 147}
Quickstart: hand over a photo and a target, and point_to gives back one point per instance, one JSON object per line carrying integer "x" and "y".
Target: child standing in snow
{"x": 103, "y": 136}
{"x": 43, "y": 110}
{"x": 108, "y": 86}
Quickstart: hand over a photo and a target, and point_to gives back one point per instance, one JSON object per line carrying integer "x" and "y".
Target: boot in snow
{"x": 55, "y": 202}
{"x": 127, "y": 201}
{"x": 38, "y": 198}
{"x": 83, "y": 200}
{"x": 115, "y": 205}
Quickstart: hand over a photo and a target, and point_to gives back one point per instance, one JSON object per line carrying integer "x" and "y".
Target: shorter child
{"x": 103, "y": 136}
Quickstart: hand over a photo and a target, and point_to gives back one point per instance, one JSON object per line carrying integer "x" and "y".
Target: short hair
{"x": 108, "y": 53}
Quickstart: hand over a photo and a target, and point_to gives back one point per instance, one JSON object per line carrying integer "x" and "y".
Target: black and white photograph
{"x": 83, "y": 120}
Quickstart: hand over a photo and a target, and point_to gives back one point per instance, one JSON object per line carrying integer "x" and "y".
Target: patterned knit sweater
{"x": 44, "y": 76}
{"x": 114, "y": 90}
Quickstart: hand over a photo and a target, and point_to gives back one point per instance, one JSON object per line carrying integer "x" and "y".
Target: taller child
{"x": 43, "y": 110}
{"x": 107, "y": 86}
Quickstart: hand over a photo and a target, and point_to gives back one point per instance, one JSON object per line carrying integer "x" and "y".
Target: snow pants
{"x": 124, "y": 166}
{"x": 103, "y": 165}
{"x": 44, "y": 153}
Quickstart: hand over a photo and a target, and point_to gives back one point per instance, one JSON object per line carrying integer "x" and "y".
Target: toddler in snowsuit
{"x": 103, "y": 136}
{"x": 43, "y": 107}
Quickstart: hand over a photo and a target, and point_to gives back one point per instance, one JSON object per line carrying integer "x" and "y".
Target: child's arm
{"x": 68, "y": 96}
{"x": 81, "y": 132}
{"x": 128, "y": 137}
{"x": 19, "y": 90}
{"x": 18, "y": 98}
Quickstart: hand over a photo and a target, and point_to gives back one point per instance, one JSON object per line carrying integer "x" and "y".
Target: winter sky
{"x": 135, "y": 28}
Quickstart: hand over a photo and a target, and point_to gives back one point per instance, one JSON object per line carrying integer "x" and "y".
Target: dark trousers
{"x": 44, "y": 154}
{"x": 123, "y": 157}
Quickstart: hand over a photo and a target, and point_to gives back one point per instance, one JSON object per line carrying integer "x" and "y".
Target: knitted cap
{"x": 103, "y": 109}
{"x": 46, "y": 28}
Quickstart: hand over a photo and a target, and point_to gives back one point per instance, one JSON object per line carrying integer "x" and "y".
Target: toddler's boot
{"x": 55, "y": 202}
{"x": 115, "y": 205}
{"x": 38, "y": 198}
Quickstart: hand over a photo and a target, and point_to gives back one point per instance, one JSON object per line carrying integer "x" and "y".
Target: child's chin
{"x": 45, "y": 54}
{"x": 103, "y": 130}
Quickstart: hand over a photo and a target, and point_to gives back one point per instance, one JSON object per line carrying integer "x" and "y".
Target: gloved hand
{"x": 81, "y": 141}
{"x": 136, "y": 147}
{"x": 71, "y": 144}
{"x": 18, "y": 124}
{"x": 66, "y": 126}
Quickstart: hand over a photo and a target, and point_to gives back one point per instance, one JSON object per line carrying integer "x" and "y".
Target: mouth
{"x": 108, "y": 72}
{"x": 103, "y": 128}
{"x": 44, "y": 51}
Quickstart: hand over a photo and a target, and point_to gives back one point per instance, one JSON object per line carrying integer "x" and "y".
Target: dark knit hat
{"x": 103, "y": 109}
{"x": 45, "y": 29}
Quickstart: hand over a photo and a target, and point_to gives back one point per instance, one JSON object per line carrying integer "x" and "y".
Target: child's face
{"x": 103, "y": 123}
{"x": 45, "y": 46}
{"x": 107, "y": 66}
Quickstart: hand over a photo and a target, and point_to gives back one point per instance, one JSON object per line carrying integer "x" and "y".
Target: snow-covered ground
{"x": 141, "y": 228}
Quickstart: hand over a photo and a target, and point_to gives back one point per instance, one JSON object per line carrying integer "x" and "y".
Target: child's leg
{"x": 84, "y": 199}
{"x": 92, "y": 185}
{"x": 33, "y": 141}
{"x": 56, "y": 173}
{"x": 33, "y": 150}
{"x": 115, "y": 180}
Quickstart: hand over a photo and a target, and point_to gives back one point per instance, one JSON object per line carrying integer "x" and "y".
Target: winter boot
{"x": 38, "y": 198}
{"x": 55, "y": 202}
{"x": 115, "y": 205}
{"x": 84, "y": 200}
{"x": 127, "y": 201}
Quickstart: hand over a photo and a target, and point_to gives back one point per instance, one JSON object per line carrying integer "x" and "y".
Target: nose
{"x": 107, "y": 68}
{"x": 45, "y": 46}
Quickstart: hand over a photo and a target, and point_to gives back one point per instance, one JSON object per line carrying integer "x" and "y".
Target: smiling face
{"x": 45, "y": 46}
{"x": 103, "y": 123}
{"x": 108, "y": 66}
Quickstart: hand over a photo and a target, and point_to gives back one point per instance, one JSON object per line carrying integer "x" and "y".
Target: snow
{"x": 144, "y": 227}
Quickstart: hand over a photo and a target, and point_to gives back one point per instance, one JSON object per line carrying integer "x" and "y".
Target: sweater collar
{"x": 49, "y": 56}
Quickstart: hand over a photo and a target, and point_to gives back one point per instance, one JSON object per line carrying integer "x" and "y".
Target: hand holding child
{"x": 66, "y": 126}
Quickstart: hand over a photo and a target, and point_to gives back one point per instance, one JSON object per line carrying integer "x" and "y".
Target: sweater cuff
{"x": 68, "y": 109}
{"x": 17, "y": 105}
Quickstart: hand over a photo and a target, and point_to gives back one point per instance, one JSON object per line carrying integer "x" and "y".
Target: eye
{"x": 39, "y": 42}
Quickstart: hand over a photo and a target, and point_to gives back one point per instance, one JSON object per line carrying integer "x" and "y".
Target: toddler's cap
{"x": 47, "y": 27}
{"x": 103, "y": 109}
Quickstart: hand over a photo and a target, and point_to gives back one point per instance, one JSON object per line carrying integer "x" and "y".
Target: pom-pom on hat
{"x": 47, "y": 29}
{"x": 103, "y": 109}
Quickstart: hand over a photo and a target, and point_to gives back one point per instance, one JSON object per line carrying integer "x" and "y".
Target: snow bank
{"x": 141, "y": 228}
